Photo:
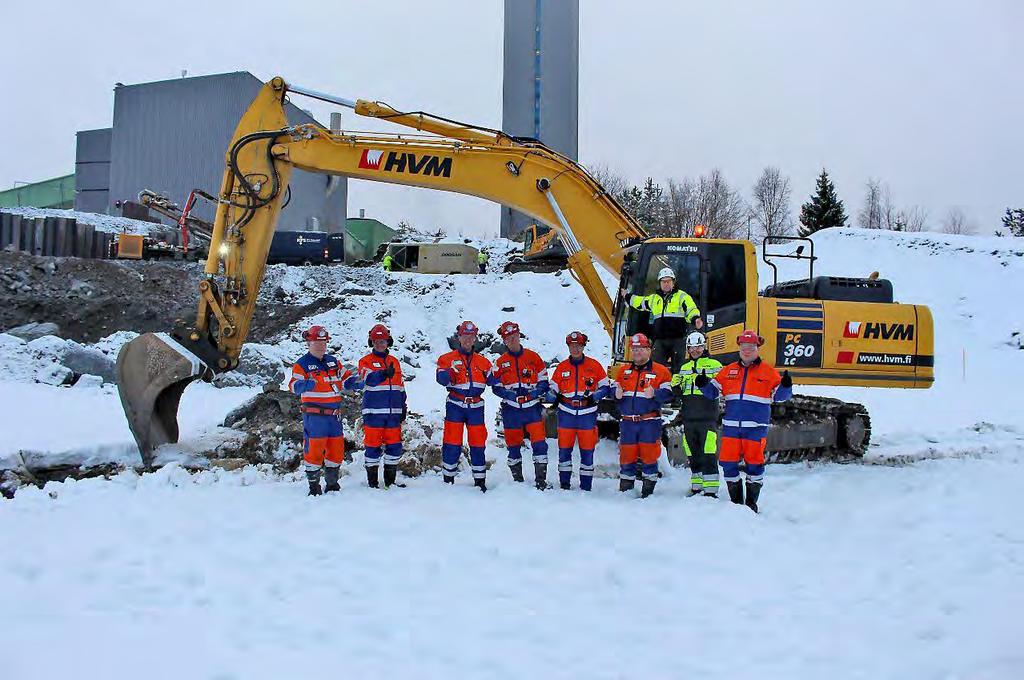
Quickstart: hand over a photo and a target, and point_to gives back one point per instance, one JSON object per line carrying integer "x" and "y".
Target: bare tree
{"x": 870, "y": 215}
{"x": 888, "y": 211}
{"x": 681, "y": 207}
{"x": 912, "y": 219}
{"x": 770, "y": 209}
{"x": 956, "y": 222}
{"x": 613, "y": 183}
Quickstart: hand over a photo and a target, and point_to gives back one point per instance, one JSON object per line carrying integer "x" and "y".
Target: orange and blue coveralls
{"x": 319, "y": 382}
{"x": 523, "y": 381}
{"x": 383, "y": 408}
{"x": 749, "y": 391}
{"x": 466, "y": 376}
{"x": 640, "y": 423}
{"x": 577, "y": 387}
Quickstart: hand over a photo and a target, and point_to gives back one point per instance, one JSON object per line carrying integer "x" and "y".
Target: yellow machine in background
{"x": 542, "y": 251}
{"x": 804, "y": 326}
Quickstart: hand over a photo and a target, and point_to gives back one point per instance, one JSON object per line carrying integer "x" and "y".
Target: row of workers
{"x": 523, "y": 382}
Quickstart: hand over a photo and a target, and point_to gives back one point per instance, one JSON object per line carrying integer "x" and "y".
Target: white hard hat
{"x": 666, "y": 273}
{"x": 695, "y": 339}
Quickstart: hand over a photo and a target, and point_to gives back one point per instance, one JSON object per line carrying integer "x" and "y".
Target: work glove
{"x": 649, "y": 392}
{"x": 701, "y": 380}
{"x": 787, "y": 381}
{"x": 453, "y": 375}
{"x": 618, "y": 391}
{"x": 405, "y": 412}
{"x": 389, "y": 372}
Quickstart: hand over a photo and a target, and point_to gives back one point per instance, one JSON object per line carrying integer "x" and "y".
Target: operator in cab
{"x": 672, "y": 311}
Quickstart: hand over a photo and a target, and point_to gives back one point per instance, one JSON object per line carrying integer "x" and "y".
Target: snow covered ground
{"x": 850, "y": 572}
{"x": 904, "y": 566}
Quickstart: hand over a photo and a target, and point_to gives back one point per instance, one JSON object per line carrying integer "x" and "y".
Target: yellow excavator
{"x": 824, "y": 330}
{"x": 542, "y": 251}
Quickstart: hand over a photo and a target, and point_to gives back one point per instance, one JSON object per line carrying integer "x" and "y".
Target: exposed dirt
{"x": 90, "y": 299}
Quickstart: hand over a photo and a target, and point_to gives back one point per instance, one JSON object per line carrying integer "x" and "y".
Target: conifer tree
{"x": 824, "y": 210}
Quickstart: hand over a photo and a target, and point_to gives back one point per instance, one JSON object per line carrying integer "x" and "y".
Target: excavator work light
{"x": 699, "y": 231}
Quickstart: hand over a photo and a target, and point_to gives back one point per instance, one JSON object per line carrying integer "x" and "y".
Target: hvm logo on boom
{"x": 402, "y": 161}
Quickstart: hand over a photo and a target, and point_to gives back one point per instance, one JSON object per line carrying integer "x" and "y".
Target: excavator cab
{"x": 714, "y": 272}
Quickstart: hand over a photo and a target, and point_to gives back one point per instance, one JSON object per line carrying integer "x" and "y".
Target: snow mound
{"x": 101, "y": 222}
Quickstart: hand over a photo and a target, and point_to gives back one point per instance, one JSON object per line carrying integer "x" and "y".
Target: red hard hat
{"x": 508, "y": 328}
{"x": 466, "y": 328}
{"x": 576, "y": 337}
{"x": 315, "y": 333}
{"x": 639, "y": 340}
{"x": 380, "y": 332}
{"x": 749, "y": 337}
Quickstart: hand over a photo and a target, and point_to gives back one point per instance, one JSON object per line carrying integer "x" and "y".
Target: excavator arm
{"x": 154, "y": 369}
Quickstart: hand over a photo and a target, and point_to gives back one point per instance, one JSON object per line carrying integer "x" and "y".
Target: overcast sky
{"x": 927, "y": 95}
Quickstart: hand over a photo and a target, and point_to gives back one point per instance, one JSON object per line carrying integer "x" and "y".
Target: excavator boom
{"x": 154, "y": 369}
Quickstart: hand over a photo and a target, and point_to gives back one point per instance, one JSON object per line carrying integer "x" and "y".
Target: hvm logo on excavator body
{"x": 410, "y": 163}
{"x": 879, "y": 331}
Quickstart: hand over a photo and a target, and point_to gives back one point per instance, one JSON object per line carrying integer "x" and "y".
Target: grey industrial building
{"x": 171, "y": 137}
{"x": 540, "y": 89}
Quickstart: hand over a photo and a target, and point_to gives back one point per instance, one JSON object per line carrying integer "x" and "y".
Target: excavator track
{"x": 818, "y": 428}
{"x": 548, "y": 266}
{"x": 803, "y": 429}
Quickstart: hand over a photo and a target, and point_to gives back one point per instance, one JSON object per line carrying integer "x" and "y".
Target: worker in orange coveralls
{"x": 318, "y": 378}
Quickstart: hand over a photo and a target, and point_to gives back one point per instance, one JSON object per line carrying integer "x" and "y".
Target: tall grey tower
{"x": 540, "y": 93}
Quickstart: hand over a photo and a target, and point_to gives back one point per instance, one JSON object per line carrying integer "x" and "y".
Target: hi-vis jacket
{"x": 578, "y": 385}
{"x": 634, "y": 380}
{"x": 695, "y": 406}
{"x": 522, "y": 378}
{"x": 319, "y": 382}
{"x": 749, "y": 392}
{"x": 670, "y": 312}
{"x": 383, "y": 397}
{"x": 472, "y": 375}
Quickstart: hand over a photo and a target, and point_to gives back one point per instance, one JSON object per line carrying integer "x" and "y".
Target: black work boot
{"x": 331, "y": 477}
{"x": 391, "y": 477}
{"x": 449, "y": 479}
{"x": 540, "y": 473}
{"x": 371, "y": 476}
{"x": 517, "y": 471}
{"x": 626, "y": 484}
{"x": 648, "y": 488}
{"x": 735, "y": 492}
{"x": 753, "y": 491}
{"x": 480, "y": 484}
{"x": 313, "y": 476}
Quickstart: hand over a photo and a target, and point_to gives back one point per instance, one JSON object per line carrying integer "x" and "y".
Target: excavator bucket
{"x": 152, "y": 372}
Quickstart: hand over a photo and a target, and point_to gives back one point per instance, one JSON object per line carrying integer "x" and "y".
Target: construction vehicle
{"x": 543, "y": 251}
{"x": 820, "y": 339}
{"x": 195, "y": 232}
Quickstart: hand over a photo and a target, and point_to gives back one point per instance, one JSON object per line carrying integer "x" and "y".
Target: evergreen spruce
{"x": 1013, "y": 220}
{"x": 824, "y": 210}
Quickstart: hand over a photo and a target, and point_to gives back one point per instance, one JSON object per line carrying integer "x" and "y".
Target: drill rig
{"x": 807, "y": 331}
